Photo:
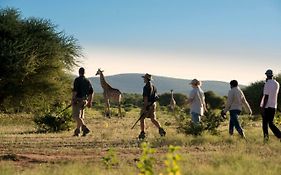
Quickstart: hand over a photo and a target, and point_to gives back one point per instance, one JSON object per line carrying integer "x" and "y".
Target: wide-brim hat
{"x": 195, "y": 82}
{"x": 269, "y": 72}
{"x": 147, "y": 76}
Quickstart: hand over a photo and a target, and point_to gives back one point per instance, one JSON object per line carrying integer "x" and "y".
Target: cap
{"x": 269, "y": 72}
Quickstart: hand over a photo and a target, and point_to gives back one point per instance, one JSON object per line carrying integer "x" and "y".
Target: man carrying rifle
{"x": 149, "y": 106}
{"x": 82, "y": 95}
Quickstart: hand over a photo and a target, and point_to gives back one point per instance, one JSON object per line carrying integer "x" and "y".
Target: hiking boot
{"x": 242, "y": 135}
{"x": 162, "y": 132}
{"x": 266, "y": 139}
{"x": 76, "y": 132}
{"x": 142, "y": 135}
{"x": 85, "y": 130}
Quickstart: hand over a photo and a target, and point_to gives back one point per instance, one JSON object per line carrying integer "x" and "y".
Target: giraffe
{"x": 109, "y": 93}
{"x": 172, "y": 101}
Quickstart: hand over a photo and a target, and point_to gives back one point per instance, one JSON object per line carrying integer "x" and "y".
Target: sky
{"x": 204, "y": 39}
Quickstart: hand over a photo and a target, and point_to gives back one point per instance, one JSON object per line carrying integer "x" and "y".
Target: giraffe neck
{"x": 172, "y": 95}
{"x": 103, "y": 83}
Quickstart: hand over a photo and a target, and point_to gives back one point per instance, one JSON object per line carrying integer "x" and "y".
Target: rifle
{"x": 142, "y": 115}
{"x": 64, "y": 109}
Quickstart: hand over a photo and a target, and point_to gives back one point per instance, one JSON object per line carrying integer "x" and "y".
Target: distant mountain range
{"x": 133, "y": 83}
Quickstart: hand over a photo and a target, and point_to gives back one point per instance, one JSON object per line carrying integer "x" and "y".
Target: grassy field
{"x": 112, "y": 148}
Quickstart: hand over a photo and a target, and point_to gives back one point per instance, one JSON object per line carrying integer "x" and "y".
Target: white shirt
{"x": 236, "y": 100}
{"x": 197, "y": 100}
{"x": 271, "y": 88}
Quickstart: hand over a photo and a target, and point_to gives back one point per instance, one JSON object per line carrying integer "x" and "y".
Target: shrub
{"x": 110, "y": 159}
{"x": 53, "y": 121}
{"x": 145, "y": 164}
{"x": 171, "y": 162}
{"x": 209, "y": 122}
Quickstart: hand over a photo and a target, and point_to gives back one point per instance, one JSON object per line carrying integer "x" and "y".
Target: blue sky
{"x": 204, "y": 39}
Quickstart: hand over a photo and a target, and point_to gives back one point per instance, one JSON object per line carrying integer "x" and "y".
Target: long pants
{"x": 195, "y": 117}
{"x": 234, "y": 114}
{"x": 267, "y": 120}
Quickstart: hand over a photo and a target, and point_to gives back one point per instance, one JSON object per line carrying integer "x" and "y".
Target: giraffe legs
{"x": 107, "y": 108}
{"x": 119, "y": 109}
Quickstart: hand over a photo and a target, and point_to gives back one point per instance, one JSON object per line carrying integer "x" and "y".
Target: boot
{"x": 76, "y": 132}
{"x": 242, "y": 134}
{"x": 162, "y": 132}
{"x": 142, "y": 135}
{"x": 85, "y": 130}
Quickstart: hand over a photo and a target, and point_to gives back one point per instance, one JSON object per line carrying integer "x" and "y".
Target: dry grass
{"x": 23, "y": 151}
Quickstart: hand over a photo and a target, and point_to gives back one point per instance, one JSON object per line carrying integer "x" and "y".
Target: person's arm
{"x": 229, "y": 101}
{"x": 244, "y": 101}
{"x": 265, "y": 98}
{"x": 204, "y": 103}
{"x": 74, "y": 92}
{"x": 191, "y": 97}
{"x": 73, "y": 99}
{"x": 90, "y": 96}
{"x": 145, "y": 103}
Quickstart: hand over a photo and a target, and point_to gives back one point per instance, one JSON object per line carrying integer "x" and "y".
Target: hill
{"x": 133, "y": 83}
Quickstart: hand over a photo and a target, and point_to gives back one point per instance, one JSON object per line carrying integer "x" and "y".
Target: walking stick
{"x": 64, "y": 109}
{"x": 142, "y": 115}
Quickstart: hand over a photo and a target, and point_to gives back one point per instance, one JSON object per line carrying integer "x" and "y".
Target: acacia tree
{"x": 35, "y": 62}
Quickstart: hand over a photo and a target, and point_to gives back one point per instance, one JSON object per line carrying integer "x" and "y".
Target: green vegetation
{"x": 35, "y": 86}
{"x": 35, "y": 63}
{"x": 112, "y": 148}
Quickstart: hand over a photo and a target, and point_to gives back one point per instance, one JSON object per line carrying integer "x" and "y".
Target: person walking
{"x": 82, "y": 96}
{"x": 235, "y": 102}
{"x": 197, "y": 101}
{"x": 149, "y": 106}
{"x": 269, "y": 105}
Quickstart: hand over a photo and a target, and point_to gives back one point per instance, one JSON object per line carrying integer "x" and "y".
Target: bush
{"x": 209, "y": 122}
{"x": 53, "y": 122}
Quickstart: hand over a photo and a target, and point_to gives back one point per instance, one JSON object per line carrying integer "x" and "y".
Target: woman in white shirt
{"x": 197, "y": 101}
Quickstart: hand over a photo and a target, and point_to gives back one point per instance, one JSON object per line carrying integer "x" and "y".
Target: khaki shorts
{"x": 151, "y": 112}
{"x": 78, "y": 108}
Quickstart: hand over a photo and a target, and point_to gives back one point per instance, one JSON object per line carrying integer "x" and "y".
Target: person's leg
{"x": 195, "y": 117}
{"x": 231, "y": 126}
{"x": 152, "y": 115}
{"x": 265, "y": 124}
{"x": 142, "y": 133}
{"x": 274, "y": 129}
{"x": 234, "y": 114}
{"x": 75, "y": 115}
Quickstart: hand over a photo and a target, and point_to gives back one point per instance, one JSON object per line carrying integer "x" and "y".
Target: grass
{"x": 23, "y": 151}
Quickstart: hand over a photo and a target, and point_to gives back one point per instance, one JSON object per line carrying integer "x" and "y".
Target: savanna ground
{"x": 23, "y": 151}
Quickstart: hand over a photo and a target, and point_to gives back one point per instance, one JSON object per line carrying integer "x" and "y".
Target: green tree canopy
{"x": 214, "y": 101}
{"x": 164, "y": 99}
{"x": 35, "y": 62}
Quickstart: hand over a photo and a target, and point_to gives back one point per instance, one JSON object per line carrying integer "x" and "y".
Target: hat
{"x": 195, "y": 82}
{"x": 269, "y": 72}
{"x": 147, "y": 76}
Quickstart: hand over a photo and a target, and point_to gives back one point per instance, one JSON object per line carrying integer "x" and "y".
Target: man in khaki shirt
{"x": 235, "y": 101}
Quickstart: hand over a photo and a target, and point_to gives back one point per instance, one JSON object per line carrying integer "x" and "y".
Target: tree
{"x": 164, "y": 99}
{"x": 214, "y": 101}
{"x": 35, "y": 62}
